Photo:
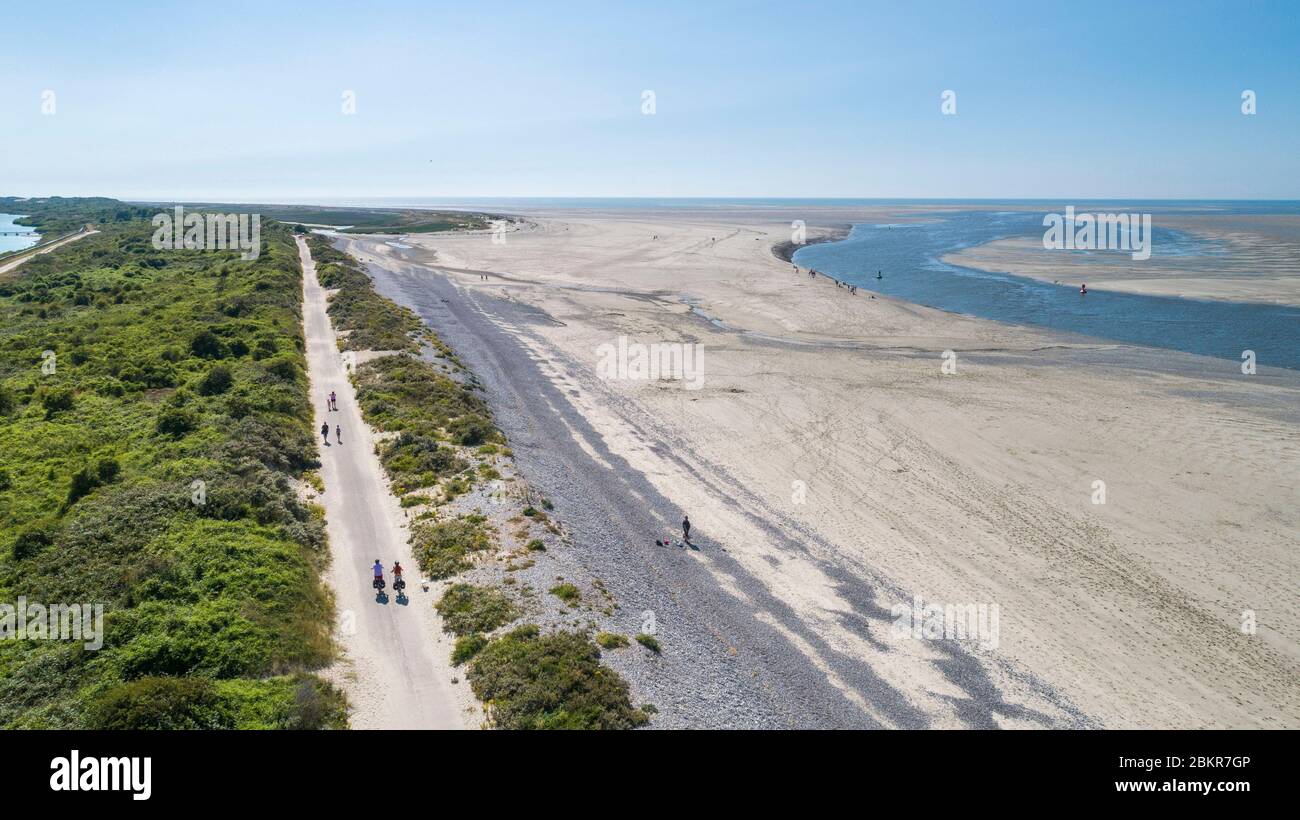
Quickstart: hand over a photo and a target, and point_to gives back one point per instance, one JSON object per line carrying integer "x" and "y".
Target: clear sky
{"x": 243, "y": 101}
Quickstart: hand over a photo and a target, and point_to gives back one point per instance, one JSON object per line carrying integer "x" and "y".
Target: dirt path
{"x": 396, "y": 672}
{"x": 13, "y": 263}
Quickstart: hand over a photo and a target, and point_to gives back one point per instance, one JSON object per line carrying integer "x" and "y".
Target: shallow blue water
{"x": 14, "y": 243}
{"x": 908, "y": 255}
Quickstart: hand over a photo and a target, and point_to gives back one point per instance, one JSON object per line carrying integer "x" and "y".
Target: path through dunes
{"x": 396, "y": 672}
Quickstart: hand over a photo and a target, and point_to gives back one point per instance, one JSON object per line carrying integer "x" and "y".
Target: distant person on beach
{"x": 334, "y": 402}
{"x": 325, "y": 431}
{"x": 338, "y": 434}
{"x": 686, "y": 528}
{"x": 1083, "y": 289}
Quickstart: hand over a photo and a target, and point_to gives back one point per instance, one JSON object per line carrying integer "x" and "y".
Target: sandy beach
{"x": 1258, "y": 261}
{"x": 838, "y": 471}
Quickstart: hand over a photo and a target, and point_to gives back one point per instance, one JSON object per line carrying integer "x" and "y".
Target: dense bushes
{"x": 466, "y": 609}
{"x": 151, "y": 472}
{"x": 371, "y": 321}
{"x": 442, "y": 548}
{"x": 298, "y": 702}
{"x": 414, "y": 461}
{"x": 431, "y": 412}
{"x": 158, "y": 703}
{"x": 217, "y": 381}
{"x": 534, "y": 681}
{"x": 407, "y": 394}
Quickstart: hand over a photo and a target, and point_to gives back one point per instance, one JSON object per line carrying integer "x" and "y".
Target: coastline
{"x": 974, "y": 487}
{"x": 1273, "y": 281}
{"x": 785, "y": 251}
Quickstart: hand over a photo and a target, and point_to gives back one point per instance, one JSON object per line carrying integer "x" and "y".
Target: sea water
{"x": 14, "y": 243}
{"x": 908, "y": 255}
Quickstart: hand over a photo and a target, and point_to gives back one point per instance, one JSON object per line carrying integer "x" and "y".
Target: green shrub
{"x": 33, "y": 538}
{"x": 217, "y": 381}
{"x": 611, "y": 640}
{"x": 85, "y": 480}
{"x": 467, "y": 646}
{"x": 176, "y": 422}
{"x": 56, "y": 401}
{"x": 467, "y": 609}
{"x": 414, "y": 461}
{"x": 206, "y": 345}
{"x": 208, "y": 605}
{"x": 159, "y": 703}
{"x": 471, "y": 432}
{"x": 317, "y": 704}
{"x": 408, "y": 395}
{"x": 649, "y": 642}
{"x": 282, "y": 368}
{"x": 567, "y": 593}
{"x": 442, "y": 548}
{"x": 373, "y": 322}
{"x": 531, "y": 681}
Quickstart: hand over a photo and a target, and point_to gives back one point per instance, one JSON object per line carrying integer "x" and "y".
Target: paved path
{"x": 13, "y": 263}
{"x": 397, "y": 679}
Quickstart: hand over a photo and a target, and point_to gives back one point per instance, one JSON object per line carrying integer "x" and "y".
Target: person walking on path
{"x": 325, "y": 431}
{"x": 686, "y": 528}
{"x": 338, "y": 434}
{"x": 334, "y": 402}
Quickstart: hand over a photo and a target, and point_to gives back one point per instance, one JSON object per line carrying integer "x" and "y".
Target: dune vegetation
{"x": 363, "y": 220}
{"x": 364, "y": 319}
{"x": 55, "y": 214}
{"x": 156, "y": 423}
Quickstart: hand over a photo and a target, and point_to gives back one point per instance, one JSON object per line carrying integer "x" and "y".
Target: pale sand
{"x": 968, "y": 488}
{"x": 1259, "y": 262}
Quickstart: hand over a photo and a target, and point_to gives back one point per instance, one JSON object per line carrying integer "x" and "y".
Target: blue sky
{"x": 236, "y": 100}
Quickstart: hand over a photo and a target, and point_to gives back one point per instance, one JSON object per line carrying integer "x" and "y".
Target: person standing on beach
{"x": 338, "y": 434}
{"x": 325, "y": 431}
{"x": 686, "y": 528}
{"x": 334, "y": 402}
